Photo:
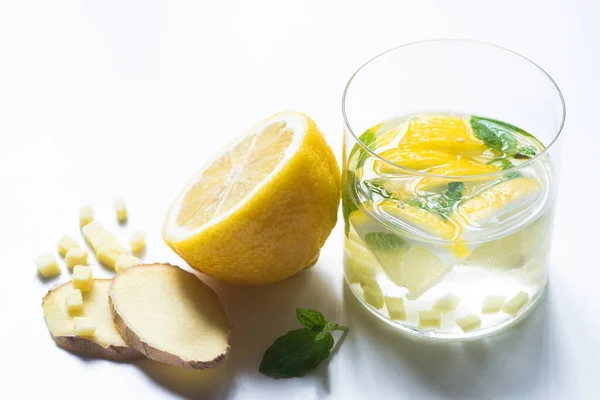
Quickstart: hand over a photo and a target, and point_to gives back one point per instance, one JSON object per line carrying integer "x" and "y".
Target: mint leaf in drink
{"x": 379, "y": 189}
{"x": 484, "y": 133}
{"x": 444, "y": 205}
{"x": 368, "y": 139}
{"x": 526, "y": 151}
{"x": 506, "y": 164}
{"x": 310, "y": 318}
{"x": 348, "y": 202}
{"x": 300, "y": 351}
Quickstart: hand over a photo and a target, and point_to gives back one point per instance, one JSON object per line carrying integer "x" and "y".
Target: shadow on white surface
{"x": 190, "y": 384}
{"x": 509, "y": 364}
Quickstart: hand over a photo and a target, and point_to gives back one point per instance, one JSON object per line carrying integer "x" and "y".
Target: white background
{"x": 100, "y": 99}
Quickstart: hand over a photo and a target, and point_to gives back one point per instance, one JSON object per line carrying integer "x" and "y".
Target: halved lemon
{"x": 262, "y": 208}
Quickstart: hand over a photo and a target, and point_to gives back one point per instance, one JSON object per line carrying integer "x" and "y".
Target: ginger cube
{"x": 82, "y": 278}
{"x": 86, "y": 215}
{"x": 514, "y": 305}
{"x": 97, "y": 236}
{"x": 446, "y": 304}
{"x": 395, "y": 306}
{"x": 108, "y": 256}
{"x": 84, "y": 326}
{"x": 121, "y": 210}
{"x": 493, "y": 304}
{"x": 372, "y": 294}
{"x": 65, "y": 244}
{"x": 47, "y": 265}
{"x": 125, "y": 261}
{"x": 469, "y": 323}
{"x": 430, "y": 319}
{"x": 74, "y": 302}
{"x": 137, "y": 242}
{"x": 76, "y": 256}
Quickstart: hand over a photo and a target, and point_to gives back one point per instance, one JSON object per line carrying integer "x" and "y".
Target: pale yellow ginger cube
{"x": 469, "y": 323}
{"x": 108, "y": 256}
{"x": 125, "y": 261}
{"x": 493, "y": 304}
{"x": 84, "y": 326}
{"x": 47, "y": 265}
{"x": 446, "y": 304}
{"x": 74, "y": 302}
{"x": 86, "y": 215}
{"x": 372, "y": 294}
{"x": 121, "y": 210}
{"x": 514, "y": 305}
{"x": 137, "y": 242}
{"x": 82, "y": 278}
{"x": 395, "y": 306}
{"x": 97, "y": 236}
{"x": 430, "y": 319}
{"x": 76, "y": 256}
{"x": 65, "y": 244}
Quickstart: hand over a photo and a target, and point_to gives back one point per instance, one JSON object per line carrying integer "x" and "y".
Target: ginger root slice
{"x": 170, "y": 316}
{"x": 107, "y": 342}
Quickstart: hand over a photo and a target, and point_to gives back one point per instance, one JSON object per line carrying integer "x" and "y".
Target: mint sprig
{"x": 443, "y": 205}
{"x": 300, "y": 351}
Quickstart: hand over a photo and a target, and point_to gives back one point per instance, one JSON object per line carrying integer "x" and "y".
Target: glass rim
{"x": 486, "y": 175}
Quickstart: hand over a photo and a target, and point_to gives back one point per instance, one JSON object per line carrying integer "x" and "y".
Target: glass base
{"x": 428, "y": 333}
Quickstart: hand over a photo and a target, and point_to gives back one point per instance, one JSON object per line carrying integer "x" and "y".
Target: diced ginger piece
{"x": 97, "y": 236}
{"x": 82, "y": 278}
{"x": 74, "y": 302}
{"x": 108, "y": 256}
{"x": 137, "y": 242}
{"x": 430, "y": 319}
{"x": 76, "y": 256}
{"x": 395, "y": 306}
{"x": 493, "y": 304}
{"x": 86, "y": 215}
{"x": 84, "y": 326}
{"x": 372, "y": 294}
{"x": 121, "y": 210}
{"x": 469, "y": 323}
{"x": 65, "y": 244}
{"x": 47, "y": 265}
{"x": 125, "y": 261}
{"x": 514, "y": 305}
{"x": 446, "y": 304}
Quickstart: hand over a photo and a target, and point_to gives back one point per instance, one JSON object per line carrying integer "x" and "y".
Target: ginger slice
{"x": 170, "y": 316}
{"x": 106, "y": 342}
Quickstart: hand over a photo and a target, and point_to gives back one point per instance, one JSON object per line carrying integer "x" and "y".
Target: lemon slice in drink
{"x": 500, "y": 201}
{"x": 442, "y": 132}
{"x": 405, "y": 261}
{"x": 262, "y": 208}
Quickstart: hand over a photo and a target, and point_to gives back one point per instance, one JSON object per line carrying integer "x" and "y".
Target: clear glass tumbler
{"x": 451, "y": 150}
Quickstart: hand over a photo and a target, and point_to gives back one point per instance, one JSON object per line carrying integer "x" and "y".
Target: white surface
{"x": 101, "y": 99}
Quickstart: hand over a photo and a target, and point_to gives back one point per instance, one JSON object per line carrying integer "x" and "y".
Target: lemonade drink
{"x": 442, "y": 211}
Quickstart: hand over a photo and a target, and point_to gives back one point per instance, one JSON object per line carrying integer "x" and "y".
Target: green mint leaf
{"x": 505, "y": 164}
{"x": 526, "y": 151}
{"x": 348, "y": 202}
{"x": 300, "y": 351}
{"x": 380, "y": 189}
{"x": 508, "y": 127}
{"x": 444, "y": 205}
{"x": 385, "y": 242}
{"x": 484, "y": 133}
{"x": 296, "y": 353}
{"x": 368, "y": 139}
{"x": 311, "y": 319}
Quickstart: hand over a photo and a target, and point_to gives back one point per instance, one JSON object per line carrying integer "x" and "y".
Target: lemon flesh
{"x": 261, "y": 210}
